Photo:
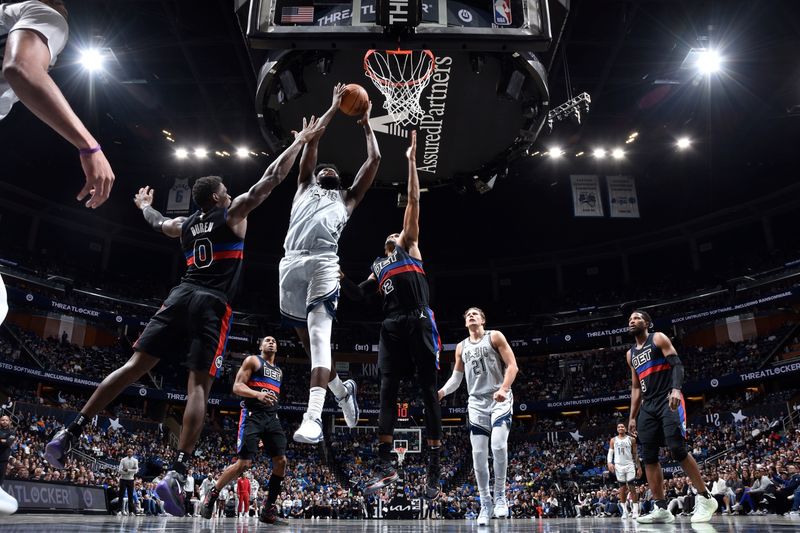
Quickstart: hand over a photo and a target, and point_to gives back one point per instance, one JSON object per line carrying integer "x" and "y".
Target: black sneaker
{"x": 269, "y": 515}
{"x": 385, "y": 474}
{"x": 207, "y": 510}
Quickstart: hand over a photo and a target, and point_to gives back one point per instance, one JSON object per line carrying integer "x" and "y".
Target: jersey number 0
{"x": 203, "y": 253}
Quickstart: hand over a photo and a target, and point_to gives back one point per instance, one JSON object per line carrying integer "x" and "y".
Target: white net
{"x": 401, "y": 455}
{"x": 401, "y": 76}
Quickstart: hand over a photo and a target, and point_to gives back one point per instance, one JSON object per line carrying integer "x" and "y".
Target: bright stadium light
{"x": 599, "y": 153}
{"x": 617, "y": 153}
{"x": 242, "y": 152}
{"x": 684, "y": 143}
{"x": 181, "y": 153}
{"x": 200, "y": 152}
{"x": 709, "y": 61}
{"x": 92, "y": 59}
{"x": 556, "y": 152}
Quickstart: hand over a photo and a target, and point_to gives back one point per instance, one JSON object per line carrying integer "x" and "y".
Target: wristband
{"x": 90, "y": 151}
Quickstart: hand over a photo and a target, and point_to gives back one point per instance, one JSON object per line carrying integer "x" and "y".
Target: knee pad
{"x": 678, "y": 451}
{"x": 649, "y": 454}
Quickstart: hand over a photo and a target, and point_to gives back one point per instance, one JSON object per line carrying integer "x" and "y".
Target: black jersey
{"x": 6, "y": 439}
{"x": 402, "y": 281}
{"x": 214, "y": 253}
{"x": 268, "y": 377}
{"x": 652, "y": 369}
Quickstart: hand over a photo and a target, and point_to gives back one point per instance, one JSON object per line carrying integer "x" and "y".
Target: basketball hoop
{"x": 401, "y": 76}
{"x": 401, "y": 454}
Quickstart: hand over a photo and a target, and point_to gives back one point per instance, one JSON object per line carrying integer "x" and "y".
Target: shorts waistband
{"x": 216, "y": 292}
{"x": 407, "y": 312}
{"x": 314, "y": 251}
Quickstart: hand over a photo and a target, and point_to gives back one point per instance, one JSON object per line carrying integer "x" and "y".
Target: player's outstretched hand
{"x": 411, "y": 153}
{"x": 500, "y": 395}
{"x": 364, "y": 120}
{"x": 674, "y": 398}
{"x": 311, "y": 130}
{"x": 99, "y": 179}
{"x": 144, "y": 197}
{"x": 338, "y": 93}
{"x": 632, "y": 428}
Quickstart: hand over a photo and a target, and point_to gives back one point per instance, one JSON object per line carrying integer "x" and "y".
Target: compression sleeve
{"x": 610, "y": 456}
{"x": 453, "y": 383}
{"x": 154, "y": 218}
{"x": 677, "y": 371}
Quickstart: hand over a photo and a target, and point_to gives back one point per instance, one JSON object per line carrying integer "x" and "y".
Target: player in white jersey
{"x": 309, "y": 270}
{"x": 623, "y": 460}
{"x": 490, "y": 366}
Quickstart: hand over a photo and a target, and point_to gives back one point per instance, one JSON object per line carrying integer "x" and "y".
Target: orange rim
{"x": 391, "y": 83}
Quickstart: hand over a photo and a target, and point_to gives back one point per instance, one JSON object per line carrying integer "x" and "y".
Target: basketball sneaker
{"x": 501, "y": 507}
{"x": 704, "y": 508}
{"x": 385, "y": 474}
{"x": 8, "y": 504}
{"x": 55, "y": 453}
{"x": 310, "y": 431}
{"x": 485, "y": 515}
{"x": 170, "y": 490}
{"x": 269, "y": 515}
{"x": 349, "y": 404}
{"x": 657, "y": 516}
{"x": 207, "y": 510}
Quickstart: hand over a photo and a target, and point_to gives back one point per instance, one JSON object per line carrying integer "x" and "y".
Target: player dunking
{"x": 259, "y": 383}
{"x": 657, "y": 402}
{"x": 194, "y": 320}
{"x": 623, "y": 461}
{"x": 409, "y": 341}
{"x": 309, "y": 270}
{"x": 490, "y": 369}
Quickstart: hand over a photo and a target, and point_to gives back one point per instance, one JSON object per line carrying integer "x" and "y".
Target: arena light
{"x": 181, "y": 153}
{"x": 200, "y": 152}
{"x": 617, "y": 153}
{"x": 242, "y": 152}
{"x": 683, "y": 143}
{"x": 556, "y": 152}
{"x": 599, "y": 153}
{"x": 92, "y": 60}
{"x": 708, "y": 61}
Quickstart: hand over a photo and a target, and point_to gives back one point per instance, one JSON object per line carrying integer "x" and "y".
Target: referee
{"x": 128, "y": 467}
{"x": 8, "y": 504}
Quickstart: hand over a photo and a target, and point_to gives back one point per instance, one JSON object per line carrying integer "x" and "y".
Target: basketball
{"x": 354, "y": 100}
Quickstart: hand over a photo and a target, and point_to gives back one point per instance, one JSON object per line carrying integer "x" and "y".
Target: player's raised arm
{"x": 636, "y": 397}
{"x": 308, "y": 161}
{"x": 171, "y": 227}
{"x": 276, "y": 172}
{"x": 409, "y": 237}
{"x": 240, "y": 387}
{"x": 366, "y": 174}
{"x": 455, "y": 378}
{"x": 500, "y": 343}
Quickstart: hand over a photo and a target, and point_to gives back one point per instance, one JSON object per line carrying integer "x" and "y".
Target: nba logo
{"x": 502, "y": 12}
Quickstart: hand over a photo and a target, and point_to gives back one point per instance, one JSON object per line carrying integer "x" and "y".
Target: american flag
{"x": 297, "y": 14}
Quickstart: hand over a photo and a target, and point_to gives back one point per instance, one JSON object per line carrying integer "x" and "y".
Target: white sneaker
{"x": 634, "y": 515}
{"x": 484, "y": 516}
{"x": 349, "y": 404}
{"x": 501, "y": 507}
{"x": 794, "y": 513}
{"x": 704, "y": 508}
{"x": 310, "y": 431}
{"x": 657, "y": 516}
{"x": 624, "y": 514}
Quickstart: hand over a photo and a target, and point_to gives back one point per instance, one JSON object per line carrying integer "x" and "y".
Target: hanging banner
{"x": 178, "y": 197}
{"x": 586, "y": 195}
{"x": 622, "y": 199}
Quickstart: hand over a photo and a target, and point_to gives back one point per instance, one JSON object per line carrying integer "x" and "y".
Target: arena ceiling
{"x": 183, "y": 67}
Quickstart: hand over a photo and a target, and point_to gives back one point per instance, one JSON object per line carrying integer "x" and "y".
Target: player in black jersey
{"x": 259, "y": 383}
{"x": 193, "y": 321}
{"x": 409, "y": 342}
{"x": 658, "y": 416}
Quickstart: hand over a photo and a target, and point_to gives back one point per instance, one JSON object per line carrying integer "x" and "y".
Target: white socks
{"x": 320, "y": 324}
{"x": 500, "y": 454}
{"x": 316, "y": 399}
{"x": 337, "y": 388}
{"x": 480, "y": 462}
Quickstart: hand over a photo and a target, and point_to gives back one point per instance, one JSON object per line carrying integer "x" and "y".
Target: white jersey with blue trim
{"x": 483, "y": 366}
{"x": 623, "y": 455}
{"x": 317, "y": 220}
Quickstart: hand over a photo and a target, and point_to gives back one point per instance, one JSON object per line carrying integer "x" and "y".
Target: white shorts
{"x": 307, "y": 279}
{"x": 625, "y": 473}
{"x": 484, "y": 413}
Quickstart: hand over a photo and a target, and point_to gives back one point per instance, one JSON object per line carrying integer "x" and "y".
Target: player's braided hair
{"x": 203, "y": 191}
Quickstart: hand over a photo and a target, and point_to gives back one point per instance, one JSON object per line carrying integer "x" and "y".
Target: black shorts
{"x": 192, "y": 324}
{"x": 658, "y": 425}
{"x": 260, "y": 425}
{"x": 410, "y": 346}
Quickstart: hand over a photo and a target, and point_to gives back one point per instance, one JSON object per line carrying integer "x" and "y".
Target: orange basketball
{"x": 354, "y": 100}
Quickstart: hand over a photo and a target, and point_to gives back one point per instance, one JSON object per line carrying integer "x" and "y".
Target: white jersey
{"x": 31, "y": 15}
{"x": 317, "y": 220}
{"x": 483, "y": 366}
{"x": 622, "y": 451}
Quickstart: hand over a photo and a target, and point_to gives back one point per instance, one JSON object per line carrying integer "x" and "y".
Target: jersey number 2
{"x": 478, "y": 369}
{"x": 203, "y": 253}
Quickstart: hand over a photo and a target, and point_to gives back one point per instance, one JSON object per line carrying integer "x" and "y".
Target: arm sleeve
{"x": 154, "y": 218}
{"x": 453, "y": 383}
{"x": 48, "y": 23}
{"x": 677, "y": 371}
{"x": 610, "y": 456}
{"x": 357, "y": 292}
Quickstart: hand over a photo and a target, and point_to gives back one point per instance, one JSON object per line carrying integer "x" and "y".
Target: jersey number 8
{"x": 203, "y": 253}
